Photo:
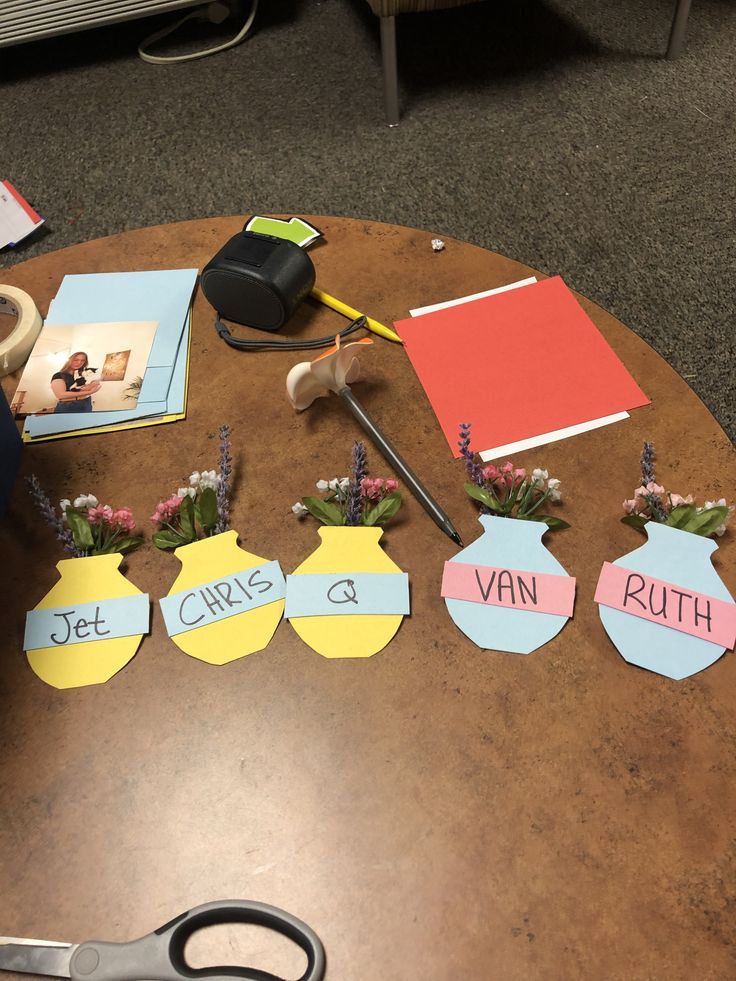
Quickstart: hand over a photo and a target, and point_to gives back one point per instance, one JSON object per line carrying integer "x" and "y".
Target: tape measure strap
{"x": 17, "y": 346}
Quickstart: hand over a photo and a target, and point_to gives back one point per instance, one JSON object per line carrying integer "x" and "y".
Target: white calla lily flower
{"x": 330, "y": 372}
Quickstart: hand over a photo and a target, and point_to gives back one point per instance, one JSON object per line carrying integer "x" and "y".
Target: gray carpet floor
{"x": 552, "y": 131}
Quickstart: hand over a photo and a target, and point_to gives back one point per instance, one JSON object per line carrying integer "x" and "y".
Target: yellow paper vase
{"x": 348, "y": 550}
{"x": 236, "y": 636}
{"x": 85, "y": 580}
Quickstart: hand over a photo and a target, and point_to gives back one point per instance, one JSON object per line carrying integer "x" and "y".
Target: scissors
{"x": 159, "y": 956}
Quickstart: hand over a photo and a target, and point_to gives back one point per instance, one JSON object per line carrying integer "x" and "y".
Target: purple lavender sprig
{"x": 648, "y": 477}
{"x": 50, "y": 516}
{"x": 647, "y": 465}
{"x": 359, "y": 467}
{"x": 475, "y": 471}
{"x": 223, "y": 488}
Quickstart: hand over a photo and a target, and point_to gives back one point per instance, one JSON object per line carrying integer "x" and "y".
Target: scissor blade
{"x": 42, "y": 957}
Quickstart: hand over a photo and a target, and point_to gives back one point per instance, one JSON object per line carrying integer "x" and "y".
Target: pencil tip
{"x": 456, "y": 538}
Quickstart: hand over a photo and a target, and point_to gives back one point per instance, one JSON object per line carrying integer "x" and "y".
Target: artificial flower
{"x": 86, "y": 527}
{"x": 200, "y": 510}
{"x": 651, "y": 502}
{"x": 329, "y": 372}
{"x": 354, "y": 500}
{"x": 506, "y": 491}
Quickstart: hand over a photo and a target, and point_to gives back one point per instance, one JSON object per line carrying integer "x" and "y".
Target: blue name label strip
{"x": 82, "y": 623}
{"x": 231, "y": 594}
{"x": 347, "y": 593}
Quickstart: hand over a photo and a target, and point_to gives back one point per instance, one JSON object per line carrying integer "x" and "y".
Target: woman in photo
{"x": 73, "y": 394}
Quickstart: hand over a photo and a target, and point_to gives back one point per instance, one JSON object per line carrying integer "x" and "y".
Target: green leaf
{"x": 484, "y": 496}
{"x": 635, "y": 520}
{"x": 328, "y": 514}
{"x": 384, "y": 510}
{"x": 679, "y": 516}
{"x": 80, "y": 528}
{"x": 208, "y": 509}
{"x": 126, "y": 545}
{"x": 167, "y": 539}
{"x": 186, "y": 519}
{"x": 706, "y": 522}
{"x": 554, "y": 524}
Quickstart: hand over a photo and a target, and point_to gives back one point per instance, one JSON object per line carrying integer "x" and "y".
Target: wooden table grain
{"x": 435, "y": 812}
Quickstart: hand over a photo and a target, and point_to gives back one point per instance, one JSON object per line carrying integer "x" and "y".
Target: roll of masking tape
{"x": 16, "y": 347}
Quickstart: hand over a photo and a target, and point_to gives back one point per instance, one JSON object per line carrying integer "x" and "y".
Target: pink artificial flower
{"x": 123, "y": 518}
{"x": 653, "y": 488}
{"x": 519, "y": 473}
{"x": 100, "y": 515}
{"x": 678, "y": 500}
{"x": 165, "y": 510}
{"x": 391, "y": 485}
{"x": 508, "y": 467}
{"x": 371, "y": 488}
{"x": 490, "y": 472}
{"x": 631, "y": 506}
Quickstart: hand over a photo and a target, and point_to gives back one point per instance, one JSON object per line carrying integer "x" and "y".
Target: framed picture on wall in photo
{"x": 115, "y": 366}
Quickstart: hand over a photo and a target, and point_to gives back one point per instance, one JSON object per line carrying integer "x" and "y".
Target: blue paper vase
{"x": 683, "y": 559}
{"x": 507, "y": 543}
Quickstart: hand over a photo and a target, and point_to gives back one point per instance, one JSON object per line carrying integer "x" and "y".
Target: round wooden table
{"x": 434, "y": 812}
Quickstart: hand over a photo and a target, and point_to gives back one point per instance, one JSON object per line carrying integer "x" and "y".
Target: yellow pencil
{"x": 343, "y": 308}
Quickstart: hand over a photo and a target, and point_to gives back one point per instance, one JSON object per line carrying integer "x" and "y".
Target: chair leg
{"x": 677, "y": 33}
{"x": 390, "y": 74}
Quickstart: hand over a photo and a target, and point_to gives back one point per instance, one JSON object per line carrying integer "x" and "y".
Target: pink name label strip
{"x": 534, "y": 592}
{"x": 665, "y": 603}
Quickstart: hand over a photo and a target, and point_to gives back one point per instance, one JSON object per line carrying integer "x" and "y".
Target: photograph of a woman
{"x": 72, "y": 391}
{"x": 120, "y": 349}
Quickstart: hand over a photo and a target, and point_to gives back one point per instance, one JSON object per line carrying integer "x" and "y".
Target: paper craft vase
{"x": 344, "y": 554}
{"x": 226, "y": 602}
{"x": 503, "y": 577}
{"x": 88, "y": 580}
{"x": 676, "y": 559}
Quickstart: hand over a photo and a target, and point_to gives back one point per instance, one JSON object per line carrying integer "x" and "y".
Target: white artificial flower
{"x": 329, "y": 372}
{"x": 720, "y": 530}
{"x": 209, "y": 478}
{"x": 322, "y": 485}
{"x": 86, "y": 501}
{"x": 554, "y": 489}
{"x": 186, "y": 492}
{"x": 298, "y": 508}
{"x": 539, "y": 476}
{"x": 334, "y": 484}
{"x": 66, "y": 503}
{"x": 344, "y": 483}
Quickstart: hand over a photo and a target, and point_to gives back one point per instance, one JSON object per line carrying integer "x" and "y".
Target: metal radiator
{"x": 30, "y": 20}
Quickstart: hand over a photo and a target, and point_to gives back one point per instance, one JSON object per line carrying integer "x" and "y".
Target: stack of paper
{"x": 157, "y": 300}
{"x": 525, "y": 365}
{"x": 17, "y": 218}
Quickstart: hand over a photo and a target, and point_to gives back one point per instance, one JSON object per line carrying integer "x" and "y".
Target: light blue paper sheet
{"x": 82, "y": 623}
{"x": 160, "y": 295}
{"x": 316, "y": 594}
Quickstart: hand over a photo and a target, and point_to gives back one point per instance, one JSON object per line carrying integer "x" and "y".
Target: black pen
{"x": 400, "y": 466}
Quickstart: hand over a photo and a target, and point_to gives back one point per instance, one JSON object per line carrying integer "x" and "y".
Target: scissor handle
{"x": 159, "y": 956}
